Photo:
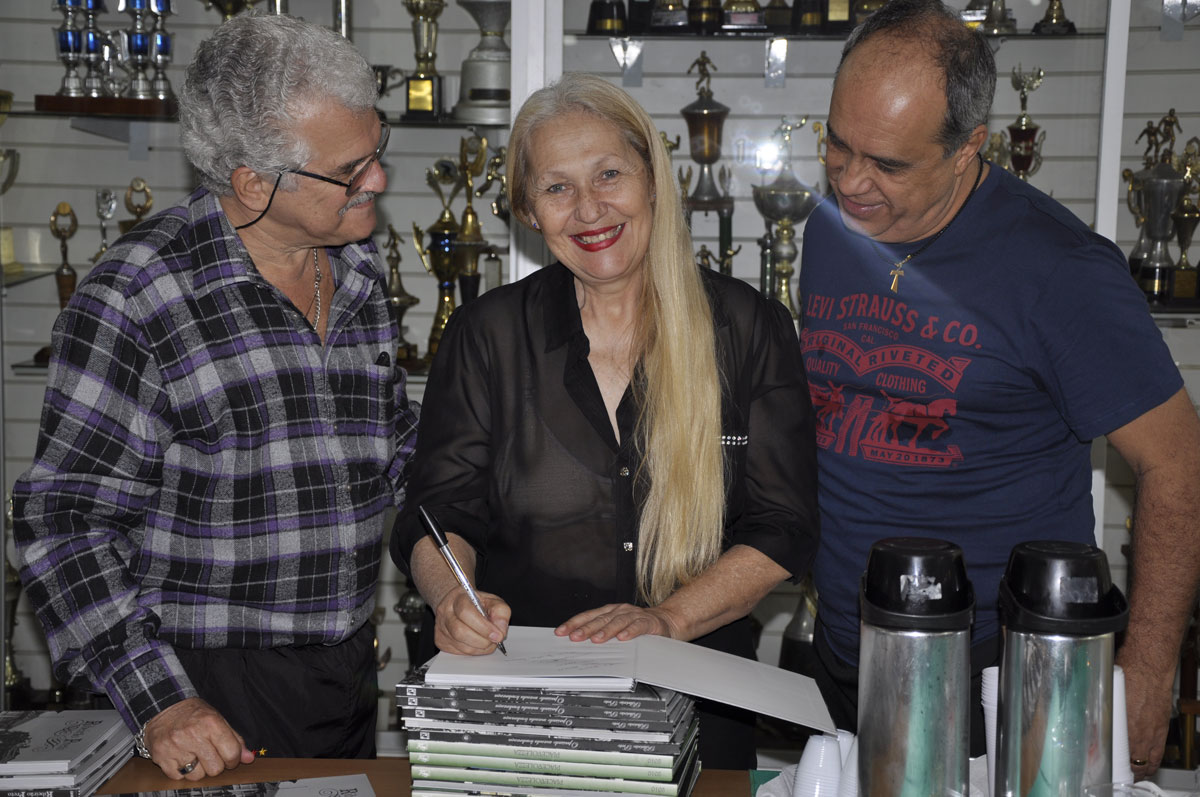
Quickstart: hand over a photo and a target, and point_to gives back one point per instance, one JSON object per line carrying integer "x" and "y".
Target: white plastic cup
{"x": 989, "y": 696}
{"x": 820, "y": 768}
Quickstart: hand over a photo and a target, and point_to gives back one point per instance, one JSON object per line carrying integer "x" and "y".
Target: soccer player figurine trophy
{"x": 399, "y": 300}
{"x": 705, "y": 118}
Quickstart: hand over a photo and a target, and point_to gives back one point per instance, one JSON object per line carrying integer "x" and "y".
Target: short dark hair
{"x": 964, "y": 56}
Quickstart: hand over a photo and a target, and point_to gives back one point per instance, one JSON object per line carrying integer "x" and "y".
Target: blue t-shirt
{"x": 962, "y": 406}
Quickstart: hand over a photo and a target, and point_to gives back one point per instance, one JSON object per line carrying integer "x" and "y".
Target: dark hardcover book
{"x": 516, "y": 738}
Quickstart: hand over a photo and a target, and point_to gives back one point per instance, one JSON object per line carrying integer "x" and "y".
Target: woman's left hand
{"x": 621, "y": 621}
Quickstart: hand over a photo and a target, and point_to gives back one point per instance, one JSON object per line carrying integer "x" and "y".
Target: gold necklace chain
{"x": 898, "y": 266}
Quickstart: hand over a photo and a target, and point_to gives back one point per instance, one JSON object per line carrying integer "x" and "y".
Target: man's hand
{"x": 1148, "y": 700}
{"x": 460, "y": 628}
{"x": 193, "y": 731}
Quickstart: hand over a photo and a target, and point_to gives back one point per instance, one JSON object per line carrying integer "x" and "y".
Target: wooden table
{"x": 389, "y": 776}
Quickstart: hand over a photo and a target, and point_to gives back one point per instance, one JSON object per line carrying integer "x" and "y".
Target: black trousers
{"x": 838, "y": 682}
{"x": 313, "y": 701}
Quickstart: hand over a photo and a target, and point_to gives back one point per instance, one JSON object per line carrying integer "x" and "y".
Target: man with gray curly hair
{"x": 225, "y": 425}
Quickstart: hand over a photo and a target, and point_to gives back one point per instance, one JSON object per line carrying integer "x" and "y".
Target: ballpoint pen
{"x": 443, "y": 545}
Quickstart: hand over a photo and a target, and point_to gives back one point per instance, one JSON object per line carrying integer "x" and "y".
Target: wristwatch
{"x": 139, "y": 744}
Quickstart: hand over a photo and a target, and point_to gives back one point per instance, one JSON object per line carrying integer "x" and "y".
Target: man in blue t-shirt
{"x": 966, "y": 338}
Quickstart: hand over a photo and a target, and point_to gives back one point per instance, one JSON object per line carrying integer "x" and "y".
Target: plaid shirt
{"x": 208, "y": 475}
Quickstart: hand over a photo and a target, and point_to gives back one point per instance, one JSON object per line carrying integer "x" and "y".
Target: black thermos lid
{"x": 916, "y": 583}
{"x": 1064, "y": 588}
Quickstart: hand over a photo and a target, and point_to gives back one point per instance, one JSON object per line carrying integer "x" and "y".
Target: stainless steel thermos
{"x": 914, "y": 669}
{"x": 1061, "y": 614}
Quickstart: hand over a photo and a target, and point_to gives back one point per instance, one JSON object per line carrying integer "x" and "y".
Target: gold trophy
{"x": 138, "y": 209}
{"x": 1024, "y": 149}
{"x": 63, "y": 225}
{"x": 399, "y": 300}
{"x": 998, "y": 21}
{"x": 1182, "y": 286}
{"x": 439, "y": 259}
{"x": 423, "y": 99}
{"x": 229, "y": 8}
{"x": 1055, "y": 22}
{"x": 472, "y": 159}
{"x": 786, "y": 202}
{"x": 10, "y": 163}
{"x": 494, "y": 175}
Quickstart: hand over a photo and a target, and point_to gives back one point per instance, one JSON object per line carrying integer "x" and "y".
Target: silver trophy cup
{"x": 484, "y": 93}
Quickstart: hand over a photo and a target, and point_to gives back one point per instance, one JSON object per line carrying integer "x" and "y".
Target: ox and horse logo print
{"x": 899, "y": 405}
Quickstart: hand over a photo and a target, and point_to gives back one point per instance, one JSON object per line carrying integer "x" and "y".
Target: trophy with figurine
{"x": 439, "y": 258}
{"x": 786, "y": 202}
{"x": 469, "y": 245}
{"x": 705, "y": 119}
{"x": 399, "y": 301}
{"x": 1021, "y": 154}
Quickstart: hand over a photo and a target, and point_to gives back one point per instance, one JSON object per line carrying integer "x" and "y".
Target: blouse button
{"x": 624, "y": 471}
{"x": 628, "y": 546}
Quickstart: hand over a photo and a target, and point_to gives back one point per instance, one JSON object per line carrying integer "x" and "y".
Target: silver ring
{"x": 1138, "y": 762}
{"x": 186, "y": 769}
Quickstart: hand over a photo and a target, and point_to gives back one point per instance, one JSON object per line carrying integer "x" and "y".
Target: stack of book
{"x": 513, "y": 740}
{"x": 60, "y": 753}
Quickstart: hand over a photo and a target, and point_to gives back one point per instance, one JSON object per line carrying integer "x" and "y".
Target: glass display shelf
{"x": 744, "y": 35}
{"x": 27, "y": 274}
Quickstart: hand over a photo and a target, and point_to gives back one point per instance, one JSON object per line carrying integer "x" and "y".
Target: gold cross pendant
{"x": 897, "y": 273}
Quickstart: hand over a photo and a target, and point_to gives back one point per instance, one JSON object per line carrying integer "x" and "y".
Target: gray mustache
{"x": 356, "y": 200}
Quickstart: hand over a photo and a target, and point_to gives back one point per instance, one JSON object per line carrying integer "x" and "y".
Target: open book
{"x": 538, "y": 659}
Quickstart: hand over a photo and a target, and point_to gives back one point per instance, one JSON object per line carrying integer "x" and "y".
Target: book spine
{"x": 542, "y": 766}
{"x": 463, "y": 775}
{"x": 40, "y": 793}
{"x": 659, "y": 714}
{"x": 648, "y": 699}
{"x": 671, "y": 748}
{"x": 547, "y": 721}
{"x": 665, "y": 762}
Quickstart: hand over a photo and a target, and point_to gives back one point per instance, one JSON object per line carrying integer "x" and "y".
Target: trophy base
{"x": 423, "y": 99}
{"x": 468, "y": 287}
{"x": 1058, "y": 28}
{"x": 744, "y": 22}
{"x": 669, "y": 21}
{"x": 1182, "y": 287}
{"x": 8, "y": 253}
{"x": 484, "y": 95}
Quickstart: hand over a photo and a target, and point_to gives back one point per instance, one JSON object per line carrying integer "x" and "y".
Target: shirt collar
{"x": 562, "y": 320}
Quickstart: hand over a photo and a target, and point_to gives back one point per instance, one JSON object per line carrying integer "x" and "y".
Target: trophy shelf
{"x": 122, "y": 107}
{"x": 664, "y": 37}
{"x": 27, "y": 274}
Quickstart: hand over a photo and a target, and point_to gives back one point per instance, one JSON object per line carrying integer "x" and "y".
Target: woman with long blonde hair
{"x": 621, "y": 443}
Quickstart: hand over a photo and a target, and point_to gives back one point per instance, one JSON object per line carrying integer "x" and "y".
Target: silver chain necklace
{"x": 317, "y": 289}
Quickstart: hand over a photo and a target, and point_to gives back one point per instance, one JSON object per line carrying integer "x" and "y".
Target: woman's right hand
{"x": 460, "y": 628}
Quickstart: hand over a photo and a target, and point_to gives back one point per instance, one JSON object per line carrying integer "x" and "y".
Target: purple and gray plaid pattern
{"x": 207, "y": 474}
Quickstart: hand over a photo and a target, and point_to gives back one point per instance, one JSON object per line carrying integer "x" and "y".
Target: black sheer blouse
{"x": 516, "y": 454}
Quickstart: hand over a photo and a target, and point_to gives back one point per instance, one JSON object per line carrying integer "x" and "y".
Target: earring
{"x": 535, "y": 224}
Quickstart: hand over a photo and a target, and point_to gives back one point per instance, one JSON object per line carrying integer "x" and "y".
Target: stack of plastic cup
{"x": 820, "y": 769}
{"x": 848, "y": 787}
{"x": 1120, "y": 730}
{"x": 988, "y": 697}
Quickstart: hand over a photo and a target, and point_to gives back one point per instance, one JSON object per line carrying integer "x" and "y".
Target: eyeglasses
{"x": 360, "y": 174}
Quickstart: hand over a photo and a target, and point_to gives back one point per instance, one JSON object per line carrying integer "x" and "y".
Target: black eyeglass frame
{"x": 385, "y": 133}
